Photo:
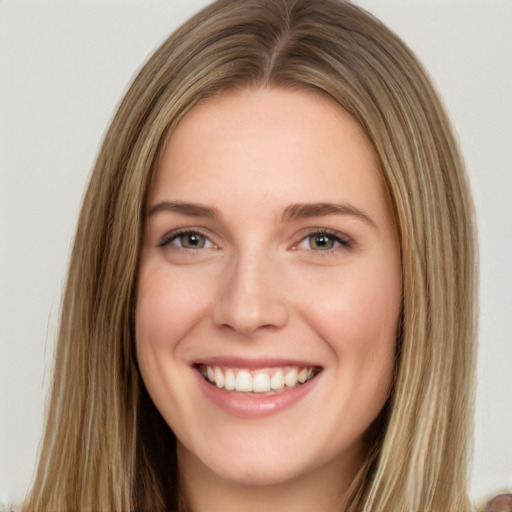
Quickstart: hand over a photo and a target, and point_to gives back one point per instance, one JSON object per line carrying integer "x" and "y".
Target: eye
{"x": 187, "y": 240}
{"x": 324, "y": 241}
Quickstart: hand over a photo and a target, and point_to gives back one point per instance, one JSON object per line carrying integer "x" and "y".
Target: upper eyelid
{"x": 342, "y": 245}
{"x": 170, "y": 235}
{"x": 342, "y": 237}
{"x": 307, "y": 232}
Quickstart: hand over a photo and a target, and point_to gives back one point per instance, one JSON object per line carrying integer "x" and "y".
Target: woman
{"x": 217, "y": 135}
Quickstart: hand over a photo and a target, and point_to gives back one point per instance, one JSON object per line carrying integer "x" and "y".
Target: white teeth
{"x": 261, "y": 383}
{"x": 291, "y": 378}
{"x": 242, "y": 380}
{"x": 277, "y": 380}
{"x": 218, "y": 377}
{"x": 303, "y": 375}
{"x": 229, "y": 381}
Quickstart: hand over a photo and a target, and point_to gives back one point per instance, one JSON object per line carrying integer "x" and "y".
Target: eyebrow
{"x": 306, "y": 210}
{"x": 292, "y": 212}
{"x": 190, "y": 209}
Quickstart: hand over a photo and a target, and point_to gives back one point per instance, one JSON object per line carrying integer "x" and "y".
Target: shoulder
{"x": 500, "y": 503}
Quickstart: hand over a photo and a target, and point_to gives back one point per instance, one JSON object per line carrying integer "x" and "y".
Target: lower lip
{"x": 254, "y": 406}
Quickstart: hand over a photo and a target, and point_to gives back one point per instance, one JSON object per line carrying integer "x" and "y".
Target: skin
{"x": 260, "y": 285}
{"x": 501, "y": 503}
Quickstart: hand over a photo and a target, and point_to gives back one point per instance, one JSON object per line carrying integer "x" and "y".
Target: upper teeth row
{"x": 262, "y": 380}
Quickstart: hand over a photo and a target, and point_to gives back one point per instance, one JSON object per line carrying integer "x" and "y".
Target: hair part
{"x": 120, "y": 454}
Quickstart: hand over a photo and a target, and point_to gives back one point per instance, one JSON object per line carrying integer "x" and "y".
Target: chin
{"x": 260, "y": 473}
{"x": 248, "y": 463}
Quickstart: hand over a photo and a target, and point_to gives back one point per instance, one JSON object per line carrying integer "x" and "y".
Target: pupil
{"x": 192, "y": 240}
{"x": 322, "y": 242}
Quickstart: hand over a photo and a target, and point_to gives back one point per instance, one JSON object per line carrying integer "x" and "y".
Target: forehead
{"x": 288, "y": 145}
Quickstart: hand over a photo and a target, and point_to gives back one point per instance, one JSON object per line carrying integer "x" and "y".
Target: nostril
{"x": 250, "y": 298}
{"x": 245, "y": 316}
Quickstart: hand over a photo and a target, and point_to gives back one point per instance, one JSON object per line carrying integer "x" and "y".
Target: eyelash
{"x": 340, "y": 241}
{"x": 168, "y": 238}
{"x": 338, "y": 238}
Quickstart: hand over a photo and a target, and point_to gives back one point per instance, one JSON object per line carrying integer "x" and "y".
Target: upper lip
{"x": 253, "y": 363}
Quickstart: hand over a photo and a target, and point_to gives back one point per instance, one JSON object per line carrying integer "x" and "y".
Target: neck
{"x": 325, "y": 489}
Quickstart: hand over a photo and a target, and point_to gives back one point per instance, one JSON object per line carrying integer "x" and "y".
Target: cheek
{"x": 357, "y": 313}
{"x": 155, "y": 322}
{"x": 155, "y": 319}
{"x": 358, "y": 304}
{"x": 167, "y": 307}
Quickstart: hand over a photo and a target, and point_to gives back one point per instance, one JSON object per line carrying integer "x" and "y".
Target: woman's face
{"x": 269, "y": 287}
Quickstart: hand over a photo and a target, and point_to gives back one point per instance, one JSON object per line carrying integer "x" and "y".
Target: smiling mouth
{"x": 265, "y": 380}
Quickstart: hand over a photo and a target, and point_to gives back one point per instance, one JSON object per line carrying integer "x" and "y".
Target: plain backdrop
{"x": 64, "y": 66}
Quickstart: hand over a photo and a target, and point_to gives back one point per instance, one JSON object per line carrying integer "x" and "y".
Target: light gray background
{"x": 63, "y": 68}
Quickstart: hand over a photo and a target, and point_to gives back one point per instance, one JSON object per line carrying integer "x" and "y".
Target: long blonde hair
{"x": 105, "y": 446}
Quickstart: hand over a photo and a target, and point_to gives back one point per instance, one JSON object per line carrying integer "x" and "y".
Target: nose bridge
{"x": 251, "y": 296}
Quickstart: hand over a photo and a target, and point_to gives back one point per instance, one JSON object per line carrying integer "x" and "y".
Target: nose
{"x": 252, "y": 297}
